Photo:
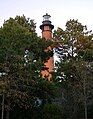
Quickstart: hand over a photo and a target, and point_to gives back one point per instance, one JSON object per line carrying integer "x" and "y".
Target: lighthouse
{"x": 47, "y": 28}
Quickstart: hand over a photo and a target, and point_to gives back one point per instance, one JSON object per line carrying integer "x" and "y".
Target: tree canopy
{"x": 24, "y": 93}
{"x": 22, "y": 57}
{"x": 74, "y": 70}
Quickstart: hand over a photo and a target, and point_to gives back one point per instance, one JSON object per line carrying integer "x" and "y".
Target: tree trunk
{"x": 3, "y": 98}
{"x": 8, "y": 110}
{"x": 85, "y": 100}
{"x": 7, "y": 114}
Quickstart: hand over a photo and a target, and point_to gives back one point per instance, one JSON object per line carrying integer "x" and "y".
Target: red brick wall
{"x": 47, "y": 33}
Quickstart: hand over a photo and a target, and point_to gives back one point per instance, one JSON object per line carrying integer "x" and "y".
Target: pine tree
{"x": 74, "y": 70}
{"x": 22, "y": 57}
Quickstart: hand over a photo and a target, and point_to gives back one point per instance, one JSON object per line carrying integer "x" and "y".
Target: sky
{"x": 60, "y": 10}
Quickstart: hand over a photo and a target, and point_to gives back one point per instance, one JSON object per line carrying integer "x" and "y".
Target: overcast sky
{"x": 60, "y": 10}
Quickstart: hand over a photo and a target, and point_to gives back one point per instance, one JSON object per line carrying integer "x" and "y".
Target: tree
{"x": 22, "y": 57}
{"x": 52, "y": 111}
{"x": 73, "y": 70}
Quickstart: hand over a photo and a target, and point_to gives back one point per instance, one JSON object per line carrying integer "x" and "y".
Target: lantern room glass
{"x": 46, "y": 17}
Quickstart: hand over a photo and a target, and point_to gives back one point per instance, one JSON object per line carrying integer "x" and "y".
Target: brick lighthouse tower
{"x": 46, "y": 28}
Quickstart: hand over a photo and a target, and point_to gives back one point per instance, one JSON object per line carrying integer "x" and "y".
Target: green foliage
{"x": 22, "y": 57}
{"x": 74, "y": 70}
{"x": 52, "y": 111}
